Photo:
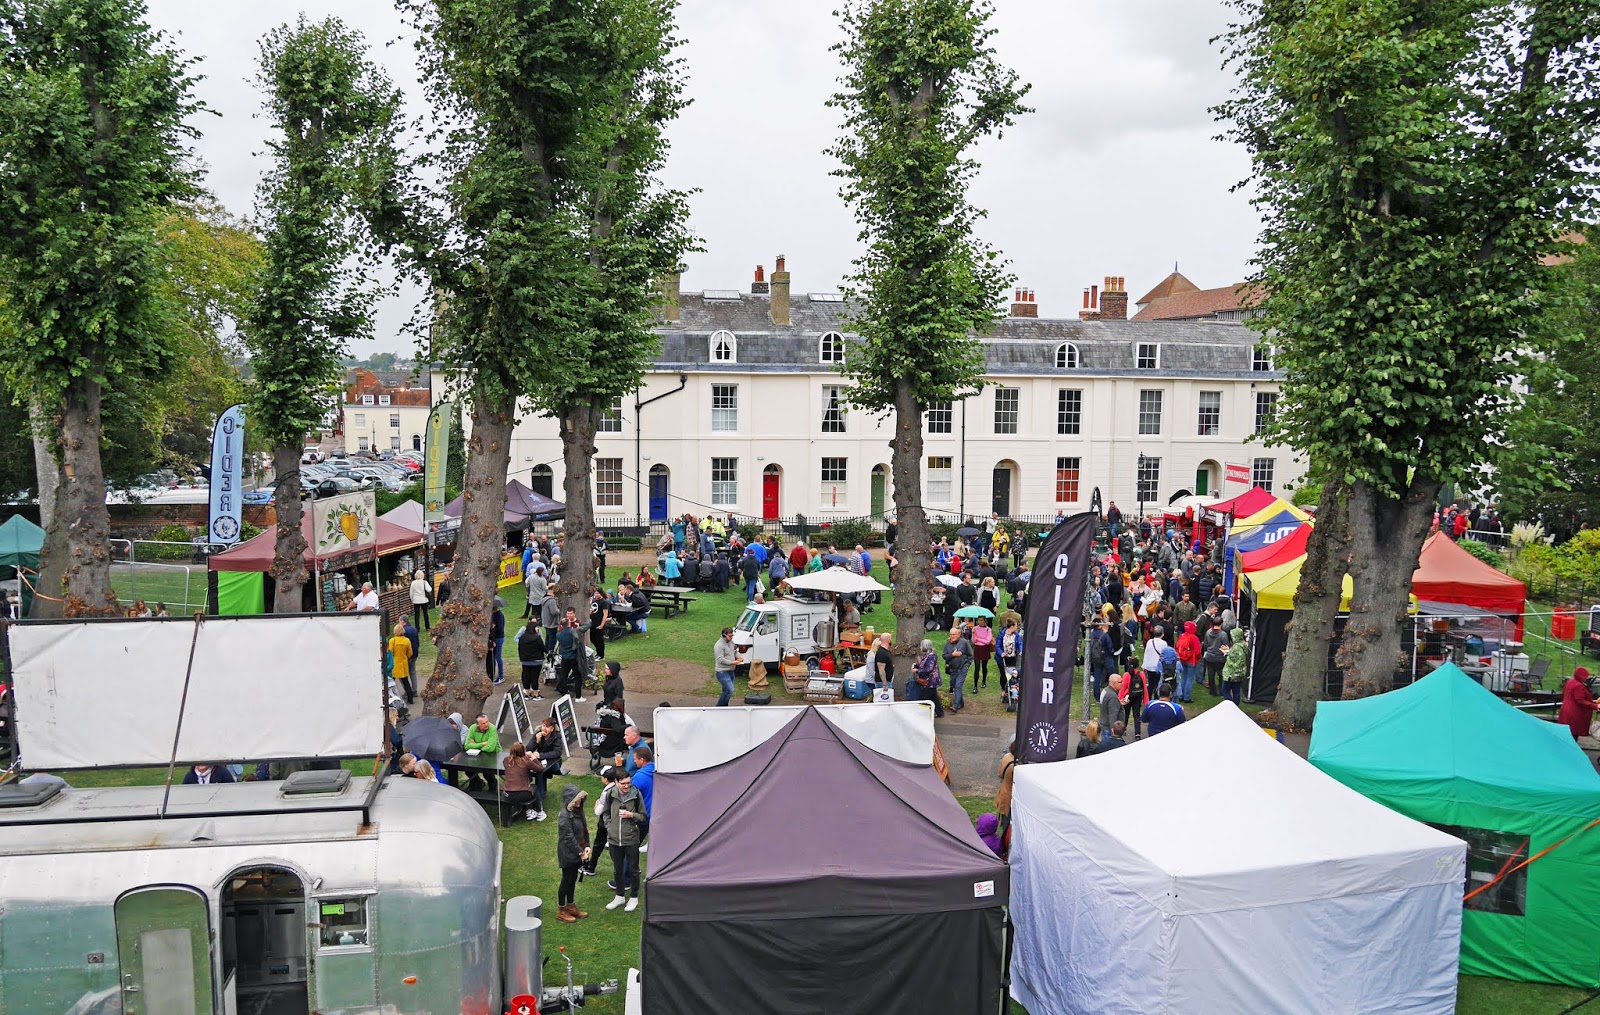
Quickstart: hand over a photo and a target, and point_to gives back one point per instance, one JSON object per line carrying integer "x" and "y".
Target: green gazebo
{"x": 21, "y": 541}
{"x": 1518, "y": 789}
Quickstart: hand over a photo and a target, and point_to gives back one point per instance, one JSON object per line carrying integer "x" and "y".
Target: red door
{"x": 769, "y": 496}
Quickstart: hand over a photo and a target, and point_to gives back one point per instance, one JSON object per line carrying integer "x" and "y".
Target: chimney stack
{"x": 1114, "y": 301}
{"x": 760, "y": 284}
{"x": 1091, "y": 304}
{"x": 669, "y": 297}
{"x": 780, "y": 293}
{"x": 1023, "y": 304}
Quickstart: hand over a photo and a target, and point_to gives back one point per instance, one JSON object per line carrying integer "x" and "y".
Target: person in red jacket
{"x": 1577, "y": 703}
{"x": 1458, "y": 528}
{"x": 1189, "y": 652}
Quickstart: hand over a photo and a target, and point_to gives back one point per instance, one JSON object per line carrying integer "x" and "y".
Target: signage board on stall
{"x": 566, "y": 717}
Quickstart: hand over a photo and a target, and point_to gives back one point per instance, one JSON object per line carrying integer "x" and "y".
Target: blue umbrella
{"x": 431, "y": 737}
{"x": 835, "y": 558}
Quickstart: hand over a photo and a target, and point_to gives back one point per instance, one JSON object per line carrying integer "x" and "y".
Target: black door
{"x": 1002, "y": 492}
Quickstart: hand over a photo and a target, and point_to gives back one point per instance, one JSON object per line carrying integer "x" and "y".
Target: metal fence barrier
{"x": 164, "y": 573}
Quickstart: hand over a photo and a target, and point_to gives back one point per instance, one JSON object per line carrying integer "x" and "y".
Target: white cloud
{"x": 1116, "y": 173}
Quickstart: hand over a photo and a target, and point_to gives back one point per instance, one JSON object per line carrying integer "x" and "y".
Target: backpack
{"x": 1169, "y": 663}
{"x": 1097, "y": 649}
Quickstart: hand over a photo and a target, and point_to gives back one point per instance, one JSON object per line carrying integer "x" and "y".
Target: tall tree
{"x": 536, "y": 150}
{"x": 636, "y": 233}
{"x": 334, "y": 119}
{"x": 922, "y": 86}
{"x": 1411, "y": 159}
{"x": 92, "y": 108}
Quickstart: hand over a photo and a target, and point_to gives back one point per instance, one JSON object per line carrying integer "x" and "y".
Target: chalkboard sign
{"x": 515, "y": 707}
{"x": 566, "y": 717}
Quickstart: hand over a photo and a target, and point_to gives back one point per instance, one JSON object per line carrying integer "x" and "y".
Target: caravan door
{"x": 164, "y": 951}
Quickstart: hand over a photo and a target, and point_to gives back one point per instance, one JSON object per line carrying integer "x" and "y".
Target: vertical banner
{"x": 435, "y": 460}
{"x": 1050, "y": 638}
{"x": 227, "y": 477}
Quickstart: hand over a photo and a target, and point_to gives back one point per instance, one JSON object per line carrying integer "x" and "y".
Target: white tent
{"x": 836, "y": 579}
{"x": 1261, "y": 886}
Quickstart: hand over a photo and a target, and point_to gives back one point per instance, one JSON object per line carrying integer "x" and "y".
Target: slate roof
{"x": 1018, "y": 345}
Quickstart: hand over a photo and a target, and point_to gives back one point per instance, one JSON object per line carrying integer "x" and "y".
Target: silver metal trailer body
{"x": 244, "y": 899}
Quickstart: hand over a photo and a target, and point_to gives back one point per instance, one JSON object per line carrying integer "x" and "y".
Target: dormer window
{"x": 1066, "y": 356}
{"x": 830, "y": 349}
{"x": 1261, "y": 359}
{"x": 724, "y": 347}
{"x": 367, "y": 400}
{"x": 1147, "y": 356}
{"x": 383, "y": 399}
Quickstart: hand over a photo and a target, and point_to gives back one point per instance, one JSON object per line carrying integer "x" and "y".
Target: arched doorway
{"x": 771, "y": 491}
{"x": 1006, "y": 482}
{"x": 416, "y": 442}
{"x": 658, "y": 493}
{"x": 264, "y": 939}
{"x": 542, "y": 482}
{"x": 1208, "y": 479}
{"x": 880, "y": 487}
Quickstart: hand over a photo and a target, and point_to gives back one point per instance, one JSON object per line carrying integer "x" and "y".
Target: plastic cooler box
{"x": 857, "y": 690}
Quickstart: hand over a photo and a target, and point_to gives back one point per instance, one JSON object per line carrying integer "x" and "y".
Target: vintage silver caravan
{"x": 313, "y": 894}
{"x": 318, "y": 893}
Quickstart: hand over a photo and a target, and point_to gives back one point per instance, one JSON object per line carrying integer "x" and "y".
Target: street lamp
{"x": 1138, "y": 482}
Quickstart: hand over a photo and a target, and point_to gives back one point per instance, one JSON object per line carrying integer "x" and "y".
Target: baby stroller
{"x": 1010, "y": 688}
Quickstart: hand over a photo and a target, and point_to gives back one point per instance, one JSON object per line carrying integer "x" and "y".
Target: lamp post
{"x": 1138, "y": 483}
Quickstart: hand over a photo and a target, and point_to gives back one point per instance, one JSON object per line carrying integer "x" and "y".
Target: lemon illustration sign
{"x": 348, "y": 522}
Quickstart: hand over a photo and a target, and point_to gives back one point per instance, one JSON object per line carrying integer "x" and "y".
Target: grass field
{"x": 607, "y": 943}
{"x": 181, "y": 586}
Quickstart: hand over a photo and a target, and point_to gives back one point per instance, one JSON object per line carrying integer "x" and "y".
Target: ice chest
{"x": 857, "y": 690}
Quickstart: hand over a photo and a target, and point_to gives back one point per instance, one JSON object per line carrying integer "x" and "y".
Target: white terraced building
{"x": 742, "y": 412}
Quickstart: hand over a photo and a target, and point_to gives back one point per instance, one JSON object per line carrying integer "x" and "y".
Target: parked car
{"x": 331, "y": 487}
{"x": 311, "y": 455}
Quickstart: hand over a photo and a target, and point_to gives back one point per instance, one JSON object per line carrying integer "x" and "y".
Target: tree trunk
{"x": 1386, "y": 542}
{"x": 578, "y": 426}
{"x": 1316, "y": 605}
{"x": 289, "y": 551}
{"x": 458, "y": 682}
{"x": 913, "y": 554}
{"x": 45, "y": 466}
{"x": 77, "y": 568}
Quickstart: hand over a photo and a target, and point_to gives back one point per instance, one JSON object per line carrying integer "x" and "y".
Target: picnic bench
{"x": 671, "y": 599}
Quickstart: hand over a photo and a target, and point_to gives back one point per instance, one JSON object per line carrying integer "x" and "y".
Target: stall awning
{"x": 256, "y": 554}
{"x": 1448, "y": 574}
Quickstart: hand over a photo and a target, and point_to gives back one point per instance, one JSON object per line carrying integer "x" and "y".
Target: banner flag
{"x": 227, "y": 477}
{"x": 1238, "y": 474}
{"x": 1050, "y": 638}
{"x": 436, "y": 460}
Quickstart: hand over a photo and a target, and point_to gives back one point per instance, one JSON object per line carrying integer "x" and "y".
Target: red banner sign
{"x": 1238, "y": 474}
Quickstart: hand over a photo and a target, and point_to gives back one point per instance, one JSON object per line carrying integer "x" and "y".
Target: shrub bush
{"x": 847, "y": 532}
{"x": 1484, "y": 552}
{"x": 751, "y": 531}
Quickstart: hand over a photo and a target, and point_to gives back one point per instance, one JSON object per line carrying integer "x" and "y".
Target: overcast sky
{"x": 1115, "y": 173}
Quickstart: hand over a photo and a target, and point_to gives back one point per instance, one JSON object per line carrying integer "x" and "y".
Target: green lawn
{"x": 607, "y": 943}
{"x": 181, "y": 586}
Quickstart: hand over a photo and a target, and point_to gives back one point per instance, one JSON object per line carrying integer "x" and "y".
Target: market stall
{"x": 1266, "y": 527}
{"x": 1518, "y": 789}
{"x": 21, "y": 542}
{"x": 1283, "y": 892}
{"x": 523, "y": 507}
{"x": 882, "y": 899}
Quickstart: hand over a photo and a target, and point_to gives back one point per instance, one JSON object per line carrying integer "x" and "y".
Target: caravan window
{"x": 343, "y": 921}
{"x": 1488, "y": 854}
{"x": 768, "y": 625}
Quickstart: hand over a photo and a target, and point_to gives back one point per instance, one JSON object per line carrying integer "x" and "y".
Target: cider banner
{"x": 1050, "y": 639}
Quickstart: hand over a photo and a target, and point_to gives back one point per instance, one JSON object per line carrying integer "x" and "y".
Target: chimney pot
{"x": 778, "y": 266}
{"x": 1094, "y": 297}
{"x": 760, "y": 273}
{"x": 1086, "y": 299}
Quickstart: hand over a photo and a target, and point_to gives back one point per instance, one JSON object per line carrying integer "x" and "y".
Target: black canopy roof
{"x": 813, "y": 823}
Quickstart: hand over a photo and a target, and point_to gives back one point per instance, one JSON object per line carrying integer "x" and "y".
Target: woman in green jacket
{"x": 1235, "y": 665}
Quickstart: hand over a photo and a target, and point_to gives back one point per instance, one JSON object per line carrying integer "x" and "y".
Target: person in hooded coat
{"x": 1190, "y": 651}
{"x": 989, "y": 832}
{"x": 572, "y": 850}
{"x": 1235, "y": 665}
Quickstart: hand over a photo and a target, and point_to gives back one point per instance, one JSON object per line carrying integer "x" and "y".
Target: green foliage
{"x": 922, "y": 86}
{"x": 334, "y": 117}
{"x": 1548, "y": 466}
{"x": 1484, "y": 552}
{"x": 92, "y": 110}
{"x": 387, "y": 501}
{"x": 847, "y": 532}
{"x": 1575, "y": 562}
{"x": 249, "y": 530}
{"x": 551, "y": 225}
{"x": 750, "y": 531}
{"x": 1412, "y": 161}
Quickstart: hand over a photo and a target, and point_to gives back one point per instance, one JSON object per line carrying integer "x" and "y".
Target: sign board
{"x": 939, "y": 764}
{"x": 566, "y": 717}
{"x": 266, "y": 688}
{"x": 227, "y": 477}
{"x": 510, "y": 571}
{"x": 515, "y": 707}
{"x": 435, "y": 461}
{"x": 348, "y": 522}
{"x": 1237, "y": 474}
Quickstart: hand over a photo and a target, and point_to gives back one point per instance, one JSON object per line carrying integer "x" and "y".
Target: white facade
{"x": 383, "y": 427}
{"x": 751, "y": 435}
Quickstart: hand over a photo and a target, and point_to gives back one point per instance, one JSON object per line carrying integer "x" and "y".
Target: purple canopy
{"x": 811, "y": 838}
{"x": 522, "y": 506}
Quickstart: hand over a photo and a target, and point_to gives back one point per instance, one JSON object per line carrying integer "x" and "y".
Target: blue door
{"x": 658, "y": 493}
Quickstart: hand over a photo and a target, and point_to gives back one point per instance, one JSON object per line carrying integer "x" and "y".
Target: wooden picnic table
{"x": 672, "y": 599}
{"x": 490, "y": 768}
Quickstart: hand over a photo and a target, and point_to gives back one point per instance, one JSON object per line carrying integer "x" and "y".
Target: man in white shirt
{"x": 366, "y": 600}
{"x": 420, "y": 594}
